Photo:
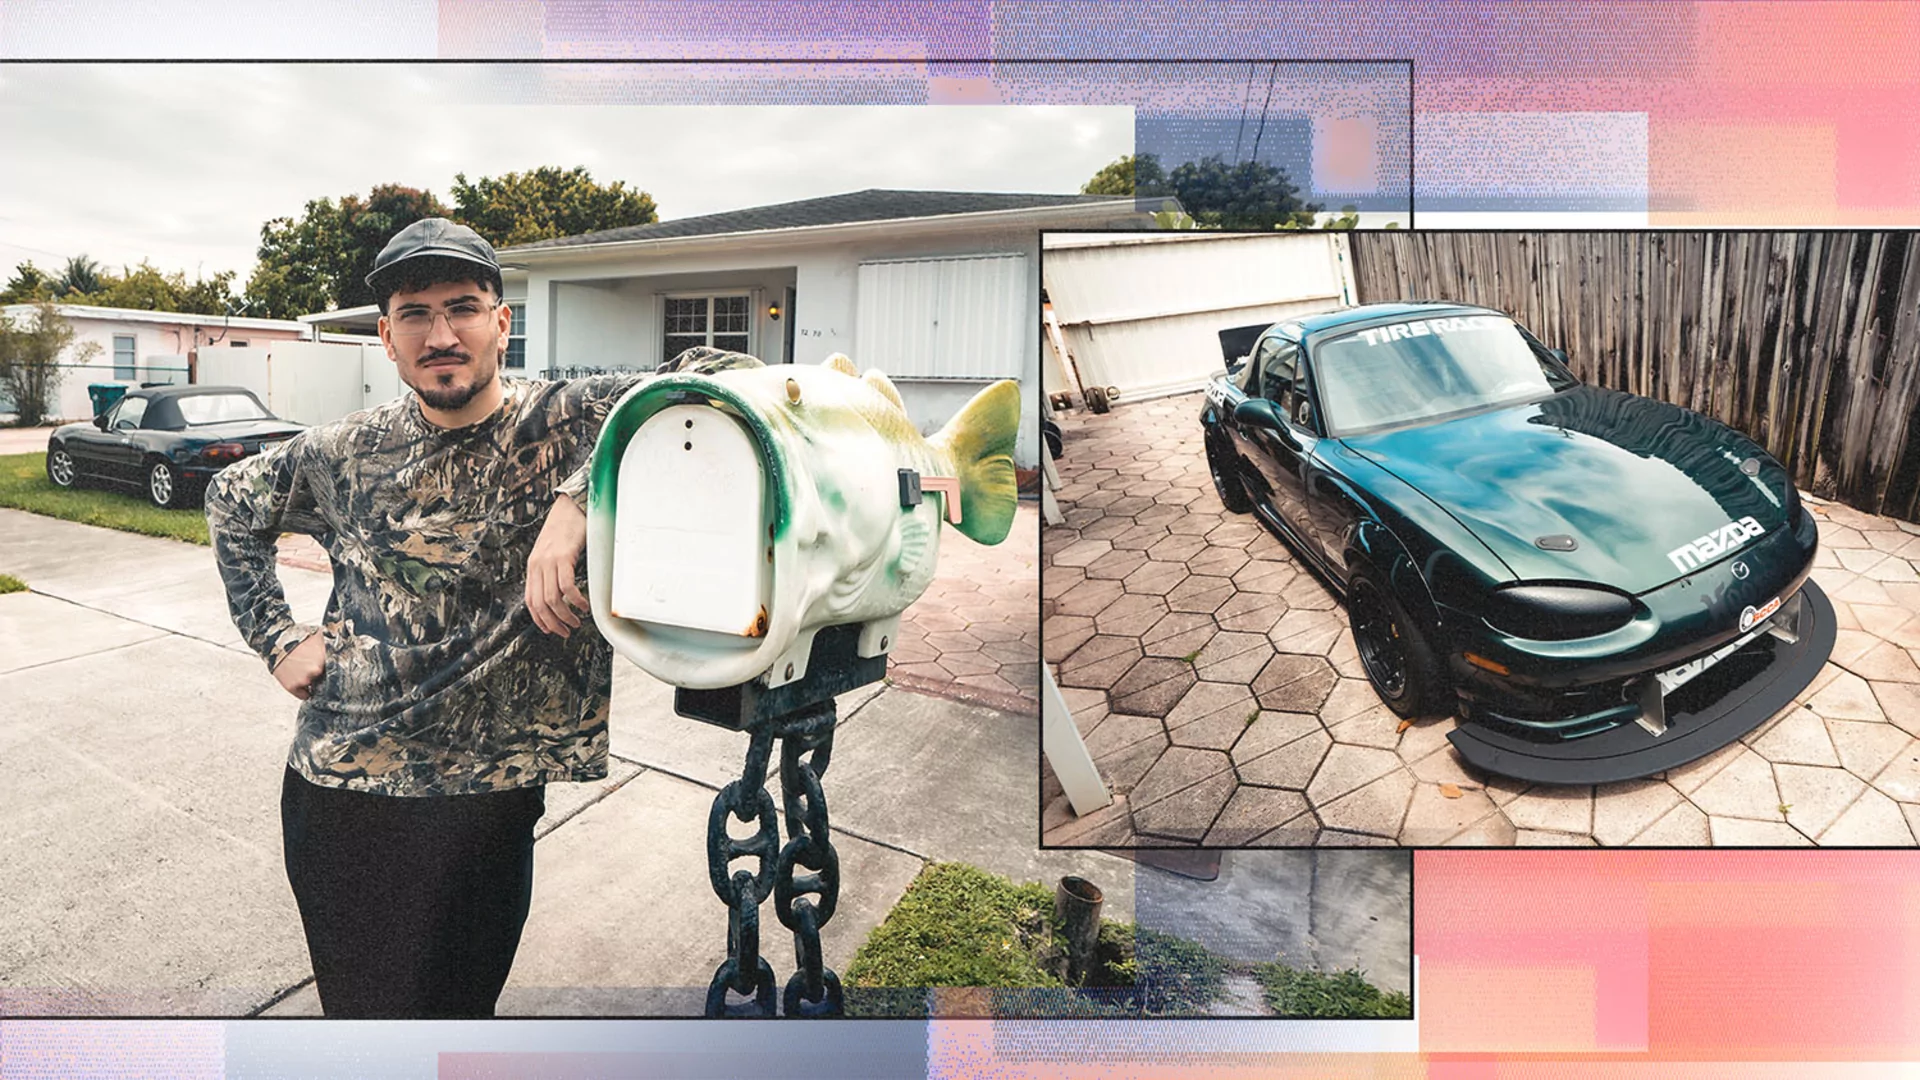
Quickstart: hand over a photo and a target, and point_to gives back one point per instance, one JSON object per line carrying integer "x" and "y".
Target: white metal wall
{"x": 944, "y": 318}
{"x": 1144, "y": 317}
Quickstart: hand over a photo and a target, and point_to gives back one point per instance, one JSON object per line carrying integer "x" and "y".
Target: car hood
{"x": 1630, "y": 479}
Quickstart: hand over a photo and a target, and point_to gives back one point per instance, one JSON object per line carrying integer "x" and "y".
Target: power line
{"x": 1271, "y": 72}
{"x": 1248, "y": 96}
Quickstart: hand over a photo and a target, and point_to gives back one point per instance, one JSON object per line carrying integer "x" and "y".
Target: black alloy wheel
{"x": 1232, "y": 491}
{"x": 1399, "y": 662}
{"x": 1383, "y": 650}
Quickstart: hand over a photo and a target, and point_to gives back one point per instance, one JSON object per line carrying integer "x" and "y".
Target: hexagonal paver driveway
{"x": 1218, "y": 689}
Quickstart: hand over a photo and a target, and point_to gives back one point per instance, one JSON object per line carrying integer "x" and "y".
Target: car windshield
{"x": 1425, "y": 369}
{"x": 219, "y": 408}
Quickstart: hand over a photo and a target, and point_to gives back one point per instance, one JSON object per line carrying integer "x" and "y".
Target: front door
{"x": 786, "y": 335}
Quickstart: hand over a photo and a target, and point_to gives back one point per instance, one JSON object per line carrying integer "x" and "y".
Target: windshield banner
{"x": 1380, "y": 335}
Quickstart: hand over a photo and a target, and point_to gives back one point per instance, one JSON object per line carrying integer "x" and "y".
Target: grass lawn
{"x": 24, "y": 486}
{"x": 1292, "y": 992}
{"x": 8, "y": 584}
{"x": 960, "y": 926}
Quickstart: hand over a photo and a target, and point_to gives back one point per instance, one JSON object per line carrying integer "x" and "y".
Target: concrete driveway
{"x": 145, "y": 747}
{"x": 1219, "y": 690}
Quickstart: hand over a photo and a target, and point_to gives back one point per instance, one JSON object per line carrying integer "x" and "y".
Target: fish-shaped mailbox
{"x": 734, "y": 515}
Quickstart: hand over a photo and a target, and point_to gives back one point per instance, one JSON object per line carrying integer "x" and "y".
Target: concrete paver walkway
{"x": 1220, "y": 693}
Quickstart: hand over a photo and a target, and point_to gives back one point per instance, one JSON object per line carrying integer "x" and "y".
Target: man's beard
{"x": 450, "y": 399}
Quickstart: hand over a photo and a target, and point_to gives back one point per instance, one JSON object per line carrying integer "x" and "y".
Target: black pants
{"x": 413, "y": 906}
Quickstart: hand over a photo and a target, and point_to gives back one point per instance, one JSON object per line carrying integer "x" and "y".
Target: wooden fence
{"x": 1809, "y": 342}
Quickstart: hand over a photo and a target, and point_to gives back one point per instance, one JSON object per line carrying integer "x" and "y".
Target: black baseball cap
{"x": 432, "y": 238}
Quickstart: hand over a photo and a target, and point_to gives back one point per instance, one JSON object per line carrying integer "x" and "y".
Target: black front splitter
{"x": 1630, "y": 751}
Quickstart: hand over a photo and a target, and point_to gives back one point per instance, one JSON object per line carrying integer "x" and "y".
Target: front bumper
{"x": 1628, "y": 703}
{"x": 1753, "y": 683}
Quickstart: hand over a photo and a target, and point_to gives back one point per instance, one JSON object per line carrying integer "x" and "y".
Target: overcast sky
{"x": 181, "y": 164}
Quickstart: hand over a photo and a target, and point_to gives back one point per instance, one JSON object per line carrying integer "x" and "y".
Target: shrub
{"x": 1292, "y": 992}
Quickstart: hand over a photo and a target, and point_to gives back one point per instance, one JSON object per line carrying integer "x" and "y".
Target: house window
{"x": 123, "y": 358}
{"x": 516, "y": 332}
{"x": 723, "y": 321}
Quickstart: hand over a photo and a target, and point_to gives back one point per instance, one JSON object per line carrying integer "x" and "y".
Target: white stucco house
{"x": 146, "y": 346}
{"x": 939, "y": 289}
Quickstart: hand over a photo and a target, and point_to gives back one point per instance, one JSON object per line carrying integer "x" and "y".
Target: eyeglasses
{"x": 418, "y": 322}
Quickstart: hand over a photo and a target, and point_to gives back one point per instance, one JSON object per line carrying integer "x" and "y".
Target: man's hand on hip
{"x": 301, "y": 668}
{"x": 552, "y": 597}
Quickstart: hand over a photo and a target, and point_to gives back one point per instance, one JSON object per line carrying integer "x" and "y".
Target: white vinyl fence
{"x": 306, "y": 381}
{"x": 1143, "y": 314}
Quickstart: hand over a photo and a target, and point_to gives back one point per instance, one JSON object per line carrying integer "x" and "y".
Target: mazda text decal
{"x": 1716, "y": 543}
{"x": 1382, "y": 334}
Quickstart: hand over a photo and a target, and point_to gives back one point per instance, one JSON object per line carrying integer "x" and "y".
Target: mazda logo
{"x": 1739, "y": 570}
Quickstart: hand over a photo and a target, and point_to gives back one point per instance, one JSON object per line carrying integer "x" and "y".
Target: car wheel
{"x": 164, "y": 486}
{"x": 1233, "y": 491}
{"x": 1051, "y": 435}
{"x": 61, "y": 469}
{"x": 1398, "y": 659}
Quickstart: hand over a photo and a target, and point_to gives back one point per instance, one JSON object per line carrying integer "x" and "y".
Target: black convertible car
{"x": 166, "y": 440}
{"x": 1599, "y": 586}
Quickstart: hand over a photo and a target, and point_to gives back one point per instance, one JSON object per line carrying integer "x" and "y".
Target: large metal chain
{"x": 803, "y": 902}
{"x": 744, "y": 971}
{"x": 806, "y": 750}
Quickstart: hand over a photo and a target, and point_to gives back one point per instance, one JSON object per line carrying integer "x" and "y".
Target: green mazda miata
{"x": 1598, "y": 585}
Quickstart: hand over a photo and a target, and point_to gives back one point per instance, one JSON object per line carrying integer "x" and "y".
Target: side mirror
{"x": 1257, "y": 412}
{"x": 100, "y": 421}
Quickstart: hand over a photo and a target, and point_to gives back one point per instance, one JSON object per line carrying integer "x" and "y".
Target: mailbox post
{"x": 752, "y": 538}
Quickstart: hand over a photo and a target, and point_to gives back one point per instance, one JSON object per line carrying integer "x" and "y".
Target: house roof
{"x": 175, "y": 318}
{"x": 873, "y": 204}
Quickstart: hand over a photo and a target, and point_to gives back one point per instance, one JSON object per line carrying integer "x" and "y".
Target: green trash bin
{"x": 104, "y": 395}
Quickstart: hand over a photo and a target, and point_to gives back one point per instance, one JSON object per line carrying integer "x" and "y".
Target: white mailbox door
{"x": 690, "y": 536}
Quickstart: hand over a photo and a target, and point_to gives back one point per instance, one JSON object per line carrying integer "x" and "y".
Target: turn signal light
{"x": 1487, "y": 665}
{"x": 224, "y": 451}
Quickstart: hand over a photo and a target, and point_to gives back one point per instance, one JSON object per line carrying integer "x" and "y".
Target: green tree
{"x": 208, "y": 296}
{"x": 1129, "y": 175}
{"x": 30, "y": 368}
{"x": 28, "y": 283}
{"x": 545, "y": 203}
{"x": 146, "y": 288}
{"x": 1249, "y": 195}
{"x": 80, "y": 278}
{"x": 142, "y": 288}
{"x": 321, "y": 260}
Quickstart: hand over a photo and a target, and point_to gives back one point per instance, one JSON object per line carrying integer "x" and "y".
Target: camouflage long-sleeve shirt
{"x": 437, "y": 681}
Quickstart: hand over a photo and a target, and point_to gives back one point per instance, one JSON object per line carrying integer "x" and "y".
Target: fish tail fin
{"x": 980, "y": 441}
{"x": 840, "y": 363}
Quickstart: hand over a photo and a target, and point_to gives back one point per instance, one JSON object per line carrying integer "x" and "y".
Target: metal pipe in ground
{"x": 1076, "y": 907}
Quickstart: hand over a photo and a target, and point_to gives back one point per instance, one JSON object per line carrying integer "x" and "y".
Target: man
{"x": 452, "y": 679}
